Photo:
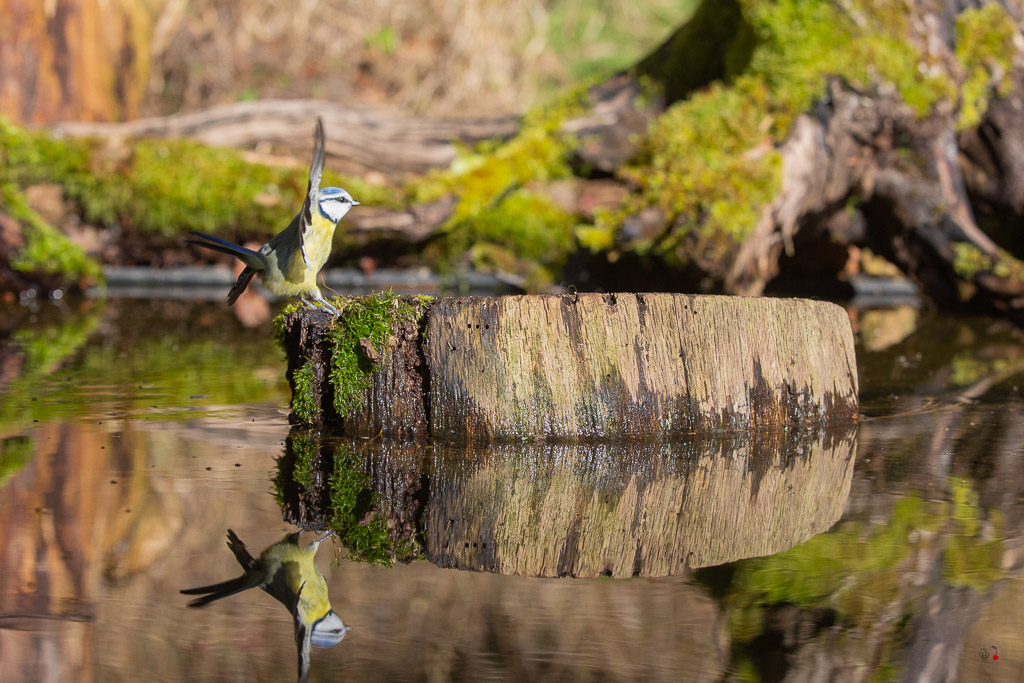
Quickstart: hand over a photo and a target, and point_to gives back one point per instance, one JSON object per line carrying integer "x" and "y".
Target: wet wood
{"x": 598, "y": 367}
{"x": 606, "y": 366}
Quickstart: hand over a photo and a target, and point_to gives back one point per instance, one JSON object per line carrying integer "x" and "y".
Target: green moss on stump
{"x": 46, "y": 250}
{"x": 358, "y": 338}
{"x": 364, "y": 320}
{"x": 352, "y": 497}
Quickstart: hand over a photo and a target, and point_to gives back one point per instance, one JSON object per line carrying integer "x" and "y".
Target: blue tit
{"x": 288, "y": 265}
{"x": 289, "y": 574}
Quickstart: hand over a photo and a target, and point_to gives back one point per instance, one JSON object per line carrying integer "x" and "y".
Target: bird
{"x": 289, "y": 574}
{"x": 288, "y": 265}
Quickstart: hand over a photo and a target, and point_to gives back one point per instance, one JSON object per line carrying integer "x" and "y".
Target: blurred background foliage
{"x": 435, "y": 57}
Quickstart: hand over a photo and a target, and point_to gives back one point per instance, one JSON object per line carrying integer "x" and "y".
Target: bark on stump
{"x": 593, "y": 367}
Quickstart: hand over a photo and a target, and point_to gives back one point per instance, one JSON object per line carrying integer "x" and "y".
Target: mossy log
{"x": 571, "y": 367}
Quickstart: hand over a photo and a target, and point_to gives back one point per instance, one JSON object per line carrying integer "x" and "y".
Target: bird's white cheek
{"x": 334, "y": 211}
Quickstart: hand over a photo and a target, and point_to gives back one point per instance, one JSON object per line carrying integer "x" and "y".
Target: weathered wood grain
{"x": 591, "y": 367}
{"x": 606, "y": 366}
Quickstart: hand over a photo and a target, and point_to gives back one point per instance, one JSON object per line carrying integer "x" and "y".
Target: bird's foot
{"x": 320, "y": 303}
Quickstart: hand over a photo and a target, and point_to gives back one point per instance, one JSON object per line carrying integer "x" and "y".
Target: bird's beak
{"x": 355, "y": 203}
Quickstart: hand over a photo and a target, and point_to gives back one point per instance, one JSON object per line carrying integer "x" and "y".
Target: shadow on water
{"x": 637, "y": 509}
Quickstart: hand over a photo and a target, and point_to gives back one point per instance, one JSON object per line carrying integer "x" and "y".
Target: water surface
{"x": 134, "y": 434}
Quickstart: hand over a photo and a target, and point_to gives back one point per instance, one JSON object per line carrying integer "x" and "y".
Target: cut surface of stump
{"x": 583, "y": 367}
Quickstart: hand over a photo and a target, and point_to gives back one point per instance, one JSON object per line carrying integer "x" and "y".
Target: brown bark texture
{"x": 82, "y": 59}
{"x": 595, "y": 367}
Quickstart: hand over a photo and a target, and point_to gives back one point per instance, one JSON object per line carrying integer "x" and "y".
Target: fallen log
{"x": 360, "y": 140}
{"x": 578, "y": 367}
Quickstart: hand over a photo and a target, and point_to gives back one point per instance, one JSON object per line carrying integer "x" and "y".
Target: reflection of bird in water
{"x": 290, "y": 575}
{"x": 290, "y": 262}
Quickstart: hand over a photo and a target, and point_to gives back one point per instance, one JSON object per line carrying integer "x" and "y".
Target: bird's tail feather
{"x": 252, "y": 259}
{"x": 240, "y": 552}
{"x": 219, "y": 590}
{"x": 244, "y": 278}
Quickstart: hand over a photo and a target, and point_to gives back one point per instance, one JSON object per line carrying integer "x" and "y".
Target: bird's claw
{"x": 320, "y": 303}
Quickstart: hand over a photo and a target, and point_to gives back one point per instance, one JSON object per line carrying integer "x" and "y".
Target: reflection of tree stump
{"x": 602, "y": 367}
{"x": 646, "y": 510}
{"x": 583, "y": 510}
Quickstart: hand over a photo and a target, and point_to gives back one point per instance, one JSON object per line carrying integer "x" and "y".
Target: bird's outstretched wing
{"x": 315, "y": 172}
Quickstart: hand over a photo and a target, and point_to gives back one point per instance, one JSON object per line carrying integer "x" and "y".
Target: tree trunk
{"x": 85, "y": 59}
{"x": 584, "y": 368}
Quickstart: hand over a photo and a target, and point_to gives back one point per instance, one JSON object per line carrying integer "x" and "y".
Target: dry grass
{"x": 434, "y": 57}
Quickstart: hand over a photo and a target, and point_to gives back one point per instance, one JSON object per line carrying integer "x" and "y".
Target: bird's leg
{"x": 319, "y": 298}
{"x": 314, "y": 545}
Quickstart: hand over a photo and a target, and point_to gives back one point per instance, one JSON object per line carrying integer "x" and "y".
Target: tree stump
{"x": 578, "y": 367}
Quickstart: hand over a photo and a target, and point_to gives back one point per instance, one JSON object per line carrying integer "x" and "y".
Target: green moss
{"x": 494, "y": 210}
{"x": 373, "y": 319}
{"x": 985, "y": 48}
{"x": 801, "y": 42}
{"x": 305, "y": 448}
{"x": 524, "y": 233}
{"x": 304, "y": 398}
{"x": 352, "y": 498}
{"x": 857, "y": 570}
{"x": 969, "y": 261}
{"x": 166, "y": 187}
{"x": 46, "y": 250}
{"x": 15, "y": 453}
{"x": 277, "y": 325}
{"x": 710, "y": 167}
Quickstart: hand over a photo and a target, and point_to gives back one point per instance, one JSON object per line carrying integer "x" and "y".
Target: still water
{"x": 133, "y": 435}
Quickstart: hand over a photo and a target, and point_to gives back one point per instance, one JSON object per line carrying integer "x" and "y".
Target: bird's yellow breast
{"x": 319, "y": 238}
{"x": 287, "y": 274}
